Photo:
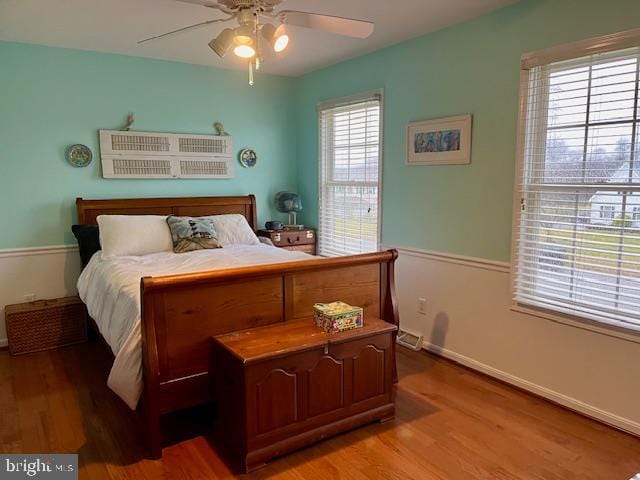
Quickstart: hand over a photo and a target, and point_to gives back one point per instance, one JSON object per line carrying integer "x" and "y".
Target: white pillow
{"x": 233, "y": 229}
{"x": 124, "y": 235}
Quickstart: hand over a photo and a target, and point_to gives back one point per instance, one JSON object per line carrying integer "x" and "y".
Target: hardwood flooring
{"x": 451, "y": 423}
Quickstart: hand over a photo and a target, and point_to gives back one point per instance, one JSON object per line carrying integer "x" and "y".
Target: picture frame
{"x": 441, "y": 141}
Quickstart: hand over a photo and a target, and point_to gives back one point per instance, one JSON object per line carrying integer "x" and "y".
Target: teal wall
{"x": 469, "y": 68}
{"x": 50, "y": 98}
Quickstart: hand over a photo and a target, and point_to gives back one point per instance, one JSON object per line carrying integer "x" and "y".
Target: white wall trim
{"x": 582, "y": 48}
{"x": 29, "y": 251}
{"x": 475, "y": 262}
{"x": 617, "y": 331}
{"x": 590, "y": 411}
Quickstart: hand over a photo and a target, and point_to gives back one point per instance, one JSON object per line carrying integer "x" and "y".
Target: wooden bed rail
{"x": 180, "y": 314}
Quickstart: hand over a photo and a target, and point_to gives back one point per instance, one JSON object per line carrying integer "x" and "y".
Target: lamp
{"x": 277, "y": 37}
{"x": 244, "y": 51}
{"x": 223, "y": 42}
{"x": 243, "y": 38}
{"x": 289, "y": 203}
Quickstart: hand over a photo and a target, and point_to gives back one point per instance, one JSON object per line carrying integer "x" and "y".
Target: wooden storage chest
{"x": 284, "y": 386}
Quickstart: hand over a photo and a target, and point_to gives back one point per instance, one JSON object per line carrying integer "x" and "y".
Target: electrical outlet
{"x": 30, "y": 297}
{"x": 422, "y": 306}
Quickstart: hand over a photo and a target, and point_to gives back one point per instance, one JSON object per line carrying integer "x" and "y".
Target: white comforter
{"x": 111, "y": 290}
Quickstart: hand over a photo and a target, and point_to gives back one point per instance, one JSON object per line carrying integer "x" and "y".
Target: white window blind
{"x": 578, "y": 244}
{"x": 350, "y": 166}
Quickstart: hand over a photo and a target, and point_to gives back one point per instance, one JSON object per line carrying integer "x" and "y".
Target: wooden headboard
{"x": 88, "y": 210}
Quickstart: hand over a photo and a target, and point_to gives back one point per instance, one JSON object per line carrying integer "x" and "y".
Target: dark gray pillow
{"x": 88, "y": 237}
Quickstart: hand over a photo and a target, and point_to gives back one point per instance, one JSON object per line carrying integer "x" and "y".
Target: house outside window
{"x": 607, "y": 212}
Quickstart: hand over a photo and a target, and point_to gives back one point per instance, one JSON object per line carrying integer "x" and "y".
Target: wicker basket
{"x": 45, "y": 324}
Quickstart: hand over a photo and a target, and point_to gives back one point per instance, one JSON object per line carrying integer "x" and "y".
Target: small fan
{"x": 247, "y": 39}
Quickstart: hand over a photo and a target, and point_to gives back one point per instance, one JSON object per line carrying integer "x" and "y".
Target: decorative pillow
{"x": 88, "y": 237}
{"x": 192, "y": 233}
{"x": 126, "y": 235}
{"x": 233, "y": 229}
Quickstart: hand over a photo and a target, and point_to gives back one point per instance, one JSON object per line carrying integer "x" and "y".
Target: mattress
{"x": 110, "y": 288}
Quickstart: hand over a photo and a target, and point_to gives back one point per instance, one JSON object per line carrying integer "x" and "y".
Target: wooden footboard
{"x": 180, "y": 314}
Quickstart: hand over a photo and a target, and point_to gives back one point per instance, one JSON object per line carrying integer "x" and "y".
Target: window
{"x": 607, "y": 211}
{"x": 636, "y": 213}
{"x": 577, "y": 248}
{"x": 350, "y": 171}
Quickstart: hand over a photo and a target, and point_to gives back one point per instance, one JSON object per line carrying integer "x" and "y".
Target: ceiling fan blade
{"x": 184, "y": 29}
{"x": 204, "y": 3}
{"x": 208, "y": 3}
{"x": 342, "y": 26}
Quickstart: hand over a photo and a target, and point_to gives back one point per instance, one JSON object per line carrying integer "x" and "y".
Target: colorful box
{"x": 337, "y": 316}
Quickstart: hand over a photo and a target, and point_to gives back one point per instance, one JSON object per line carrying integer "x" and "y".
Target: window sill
{"x": 629, "y": 334}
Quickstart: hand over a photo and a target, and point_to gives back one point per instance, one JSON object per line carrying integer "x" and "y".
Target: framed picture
{"x": 443, "y": 141}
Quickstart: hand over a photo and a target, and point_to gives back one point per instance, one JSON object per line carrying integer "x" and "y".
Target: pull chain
{"x": 258, "y": 42}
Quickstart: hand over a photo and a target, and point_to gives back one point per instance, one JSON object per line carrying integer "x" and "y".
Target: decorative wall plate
{"x": 248, "y": 157}
{"x": 79, "y": 155}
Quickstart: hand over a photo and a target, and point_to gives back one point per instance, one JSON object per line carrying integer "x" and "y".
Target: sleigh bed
{"x": 181, "y": 312}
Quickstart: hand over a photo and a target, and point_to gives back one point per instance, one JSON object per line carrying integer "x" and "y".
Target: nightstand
{"x": 301, "y": 240}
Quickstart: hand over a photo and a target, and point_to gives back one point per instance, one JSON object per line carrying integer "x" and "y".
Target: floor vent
{"x": 410, "y": 340}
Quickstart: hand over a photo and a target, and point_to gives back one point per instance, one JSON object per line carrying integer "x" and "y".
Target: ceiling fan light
{"x": 222, "y": 43}
{"x": 277, "y": 37}
{"x": 281, "y": 42}
{"x": 243, "y": 35}
{"x": 244, "y": 51}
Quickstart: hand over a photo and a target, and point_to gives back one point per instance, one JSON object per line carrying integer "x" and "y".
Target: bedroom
{"x": 503, "y": 388}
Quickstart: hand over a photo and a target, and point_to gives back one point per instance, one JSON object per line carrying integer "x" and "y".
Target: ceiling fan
{"x": 247, "y": 39}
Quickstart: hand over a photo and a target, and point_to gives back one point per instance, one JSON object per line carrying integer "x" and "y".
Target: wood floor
{"x": 451, "y": 423}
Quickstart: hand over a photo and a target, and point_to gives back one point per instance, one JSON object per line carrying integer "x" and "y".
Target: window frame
{"x": 574, "y": 50}
{"x": 346, "y": 101}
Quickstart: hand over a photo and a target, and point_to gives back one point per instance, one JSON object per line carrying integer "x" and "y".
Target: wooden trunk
{"x": 282, "y": 387}
{"x": 298, "y": 240}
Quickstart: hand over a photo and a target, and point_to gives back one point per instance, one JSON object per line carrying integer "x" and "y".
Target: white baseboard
{"x": 590, "y": 411}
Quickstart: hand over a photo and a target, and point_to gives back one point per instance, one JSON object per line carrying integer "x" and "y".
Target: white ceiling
{"x": 116, "y": 25}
